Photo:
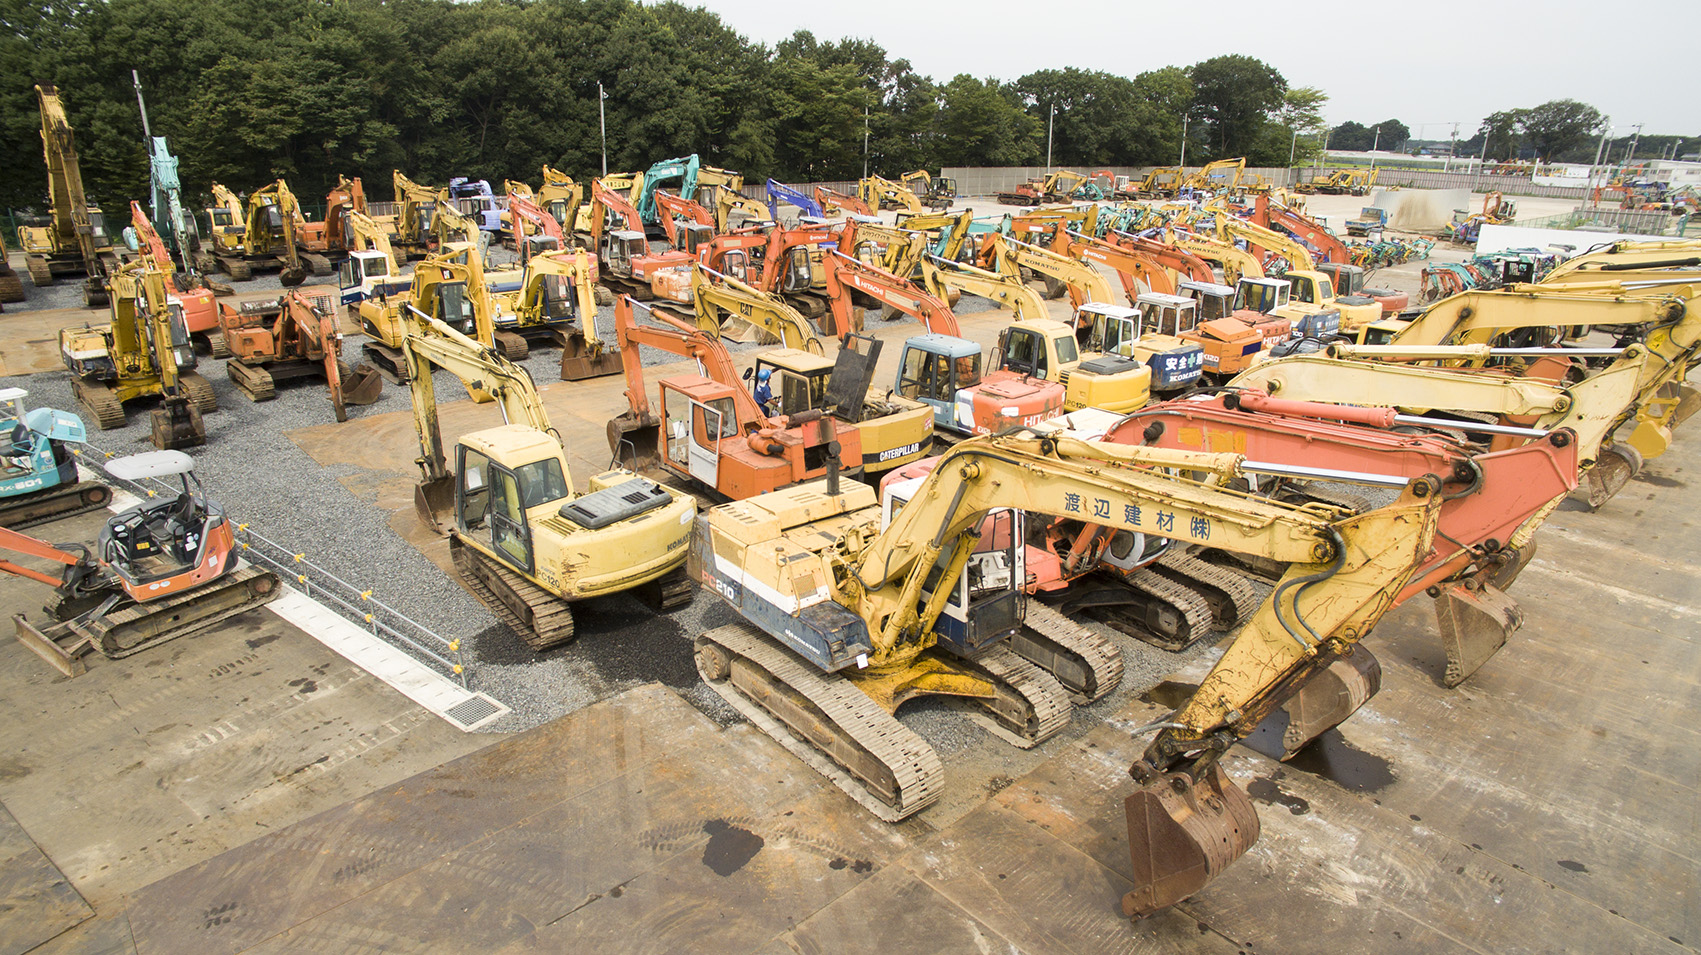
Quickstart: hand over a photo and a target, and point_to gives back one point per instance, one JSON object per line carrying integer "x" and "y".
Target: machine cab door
{"x": 736, "y": 263}
{"x": 799, "y": 275}
{"x": 704, "y": 449}
{"x": 692, "y": 432}
{"x": 490, "y": 510}
{"x": 1023, "y": 351}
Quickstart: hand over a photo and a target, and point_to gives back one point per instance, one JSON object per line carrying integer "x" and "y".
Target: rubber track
{"x": 56, "y": 502}
{"x": 1048, "y": 707}
{"x": 104, "y": 635}
{"x": 254, "y": 382}
{"x": 912, "y": 762}
{"x": 1187, "y": 568}
{"x": 11, "y": 288}
{"x": 200, "y": 391}
{"x": 1090, "y": 650}
{"x": 551, "y": 623}
{"x": 102, "y": 403}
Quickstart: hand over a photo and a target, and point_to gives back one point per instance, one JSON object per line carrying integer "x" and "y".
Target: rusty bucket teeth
{"x": 1182, "y": 834}
{"x": 1475, "y": 619}
{"x": 1327, "y": 699}
{"x": 1617, "y": 464}
{"x": 434, "y": 502}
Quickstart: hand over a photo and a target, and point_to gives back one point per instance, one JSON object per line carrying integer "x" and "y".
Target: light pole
{"x": 1293, "y": 148}
{"x": 865, "y": 140}
{"x": 1050, "y": 121}
{"x": 1373, "y": 144}
{"x": 1453, "y": 147}
{"x": 1183, "y": 163}
{"x": 1632, "y": 153}
{"x": 602, "y": 118}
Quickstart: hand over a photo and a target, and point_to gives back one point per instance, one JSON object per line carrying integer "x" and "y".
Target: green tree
{"x": 1560, "y": 125}
{"x": 981, "y": 123}
{"x": 1234, "y": 97}
{"x": 1099, "y": 115}
{"x": 1166, "y": 96}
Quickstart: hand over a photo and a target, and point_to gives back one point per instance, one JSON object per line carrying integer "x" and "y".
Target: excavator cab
{"x": 985, "y": 606}
{"x": 1168, "y": 314}
{"x": 692, "y": 236}
{"x": 797, "y": 380}
{"x": 620, "y": 247}
{"x": 800, "y": 275}
{"x": 1213, "y": 301}
{"x": 453, "y": 308}
{"x": 1261, "y": 295}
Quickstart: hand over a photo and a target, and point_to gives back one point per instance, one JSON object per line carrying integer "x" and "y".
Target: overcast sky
{"x": 1426, "y": 64}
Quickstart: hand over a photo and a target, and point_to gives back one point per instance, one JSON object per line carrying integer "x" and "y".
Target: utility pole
{"x": 1049, "y": 123}
{"x": 1183, "y": 164}
{"x": 1481, "y": 161}
{"x": 1606, "y": 131}
{"x": 865, "y": 140}
{"x": 602, "y": 118}
{"x": 1373, "y": 144}
{"x": 1293, "y": 149}
{"x": 1453, "y": 147}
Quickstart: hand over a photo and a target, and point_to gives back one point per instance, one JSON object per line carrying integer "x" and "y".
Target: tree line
{"x": 1558, "y": 131}
{"x": 247, "y": 91}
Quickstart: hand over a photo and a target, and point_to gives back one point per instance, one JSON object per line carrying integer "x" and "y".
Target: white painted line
{"x": 408, "y": 676}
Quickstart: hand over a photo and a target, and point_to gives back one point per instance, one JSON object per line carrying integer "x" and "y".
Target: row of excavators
{"x": 1222, "y": 435}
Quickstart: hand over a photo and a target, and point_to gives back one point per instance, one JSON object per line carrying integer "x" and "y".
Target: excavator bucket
{"x": 176, "y": 424}
{"x": 1182, "y": 834}
{"x": 1329, "y": 697}
{"x": 1688, "y": 402}
{"x": 1475, "y": 618}
{"x": 580, "y": 361}
{"x": 1617, "y": 464}
{"x": 291, "y": 276}
{"x": 434, "y": 502}
{"x": 635, "y": 442}
{"x": 362, "y": 384}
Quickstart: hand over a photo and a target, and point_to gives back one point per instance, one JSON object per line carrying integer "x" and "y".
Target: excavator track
{"x": 101, "y": 402}
{"x": 11, "y": 288}
{"x": 238, "y": 269}
{"x": 1030, "y": 706}
{"x": 217, "y": 346}
{"x": 1357, "y": 503}
{"x": 1087, "y": 665}
{"x": 542, "y": 619}
{"x": 137, "y": 627}
{"x": 62, "y": 500}
{"x": 512, "y": 346}
{"x": 316, "y": 263}
{"x": 200, "y": 391}
{"x": 823, "y": 720}
{"x": 674, "y": 591}
{"x": 1232, "y": 597}
{"x": 41, "y": 274}
{"x": 252, "y": 380}
{"x": 1182, "y": 616}
{"x": 388, "y": 361}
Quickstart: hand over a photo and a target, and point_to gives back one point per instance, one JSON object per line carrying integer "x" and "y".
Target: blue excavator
{"x": 38, "y": 472}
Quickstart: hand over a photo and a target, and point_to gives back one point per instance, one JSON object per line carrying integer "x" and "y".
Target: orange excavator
{"x": 200, "y": 313}
{"x": 716, "y": 431}
{"x": 834, "y": 202}
{"x": 157, "y": 571}
{"x": 687, "y": 224}
{"x": 535, "y": 230}
{"x": 626, "y": 263}
{"x": 791, "y": 267}
{"x": 1270, "y": 214}
{"x": 849, "y": 278}
{"x": 1137, "y": 261}
{"x": 296, "y": 336}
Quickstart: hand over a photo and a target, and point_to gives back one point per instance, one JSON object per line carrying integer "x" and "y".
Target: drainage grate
{"x": 475, "y": 711}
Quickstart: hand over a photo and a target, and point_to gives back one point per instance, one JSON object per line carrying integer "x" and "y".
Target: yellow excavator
{"x": 717, "y": 298}
{"x": 880, "y": 193}
{"x": 224, "y": 224}
{"x": 556, "y": 301}
{"x": 269, "y": 239}
{"x": 75, "y": 241}
{"x": 1221, "y": 176}
{"x": 448, "y": 286}
{"x": 143, "y": 351}
{"x": 415, "y": 208}
{"x": 522, "y": 538}
{"x": 854, "y": 606}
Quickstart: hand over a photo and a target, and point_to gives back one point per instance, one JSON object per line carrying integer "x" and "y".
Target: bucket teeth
{"x": 1182, "y": 834}
{"x": 1474, "y": 622}
{"x": 1329, "y": 697}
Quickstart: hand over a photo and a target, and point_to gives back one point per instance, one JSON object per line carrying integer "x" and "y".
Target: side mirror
{"x": 749, "y": 373}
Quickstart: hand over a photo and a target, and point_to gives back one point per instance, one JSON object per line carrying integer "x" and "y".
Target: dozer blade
{"x": 1182, "y": 834}
{"x": 178, "y": 425}
{"x": 362, "y": 385}
{"x": 68, "y": 661}
{"x": 1475, "y": 618}
{"x": 635, "y": 442}
{"x": 1617, "y": 464}
{"x": 434, "y": 501}
{"x": 579, "y": 362}
{"x": 1329, "y": 697}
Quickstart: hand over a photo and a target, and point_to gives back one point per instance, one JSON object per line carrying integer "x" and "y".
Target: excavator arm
{"x": 1237, "y": 263}
{"x": 834, "y": 203}
{"x": 676, "y": 338}
{"x": 1138, "y": 262}
{"x": 152, "y": 246}
{"x": 449, "y": 225}
{"x": 673, "y": 206}
{"x": 1269, "y": 213}
{"x": 72, "y": 227}
{"x": 368, "y": 235}
{"x": 1085, "y": 283}
{"x": 903, "y": 247}
{"x": 873, "y": 190}
{"x": 939, "y": 277}
{"x": 1231, "y": 228}
{"x": 845, "y": 275}
{"x": 728, "y": 201}
{"x": 714, "y": 294}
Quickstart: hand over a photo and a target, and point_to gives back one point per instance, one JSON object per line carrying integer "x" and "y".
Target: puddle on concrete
{"x": 729, "y": 847}
{"x": 1264, "y": 789}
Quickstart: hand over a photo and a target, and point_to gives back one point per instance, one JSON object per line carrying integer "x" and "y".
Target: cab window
{"x": 542, "y": 482}
{"x": 474, "y": 488}
{"x": 1066, "y": 350}
{"x": 700, "y": 427}
{"x": 800, "y": 393}
{"x": 1024, "y": 352}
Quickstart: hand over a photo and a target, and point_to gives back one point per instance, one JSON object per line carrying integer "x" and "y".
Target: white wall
{"x": 1498, "y": 238}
